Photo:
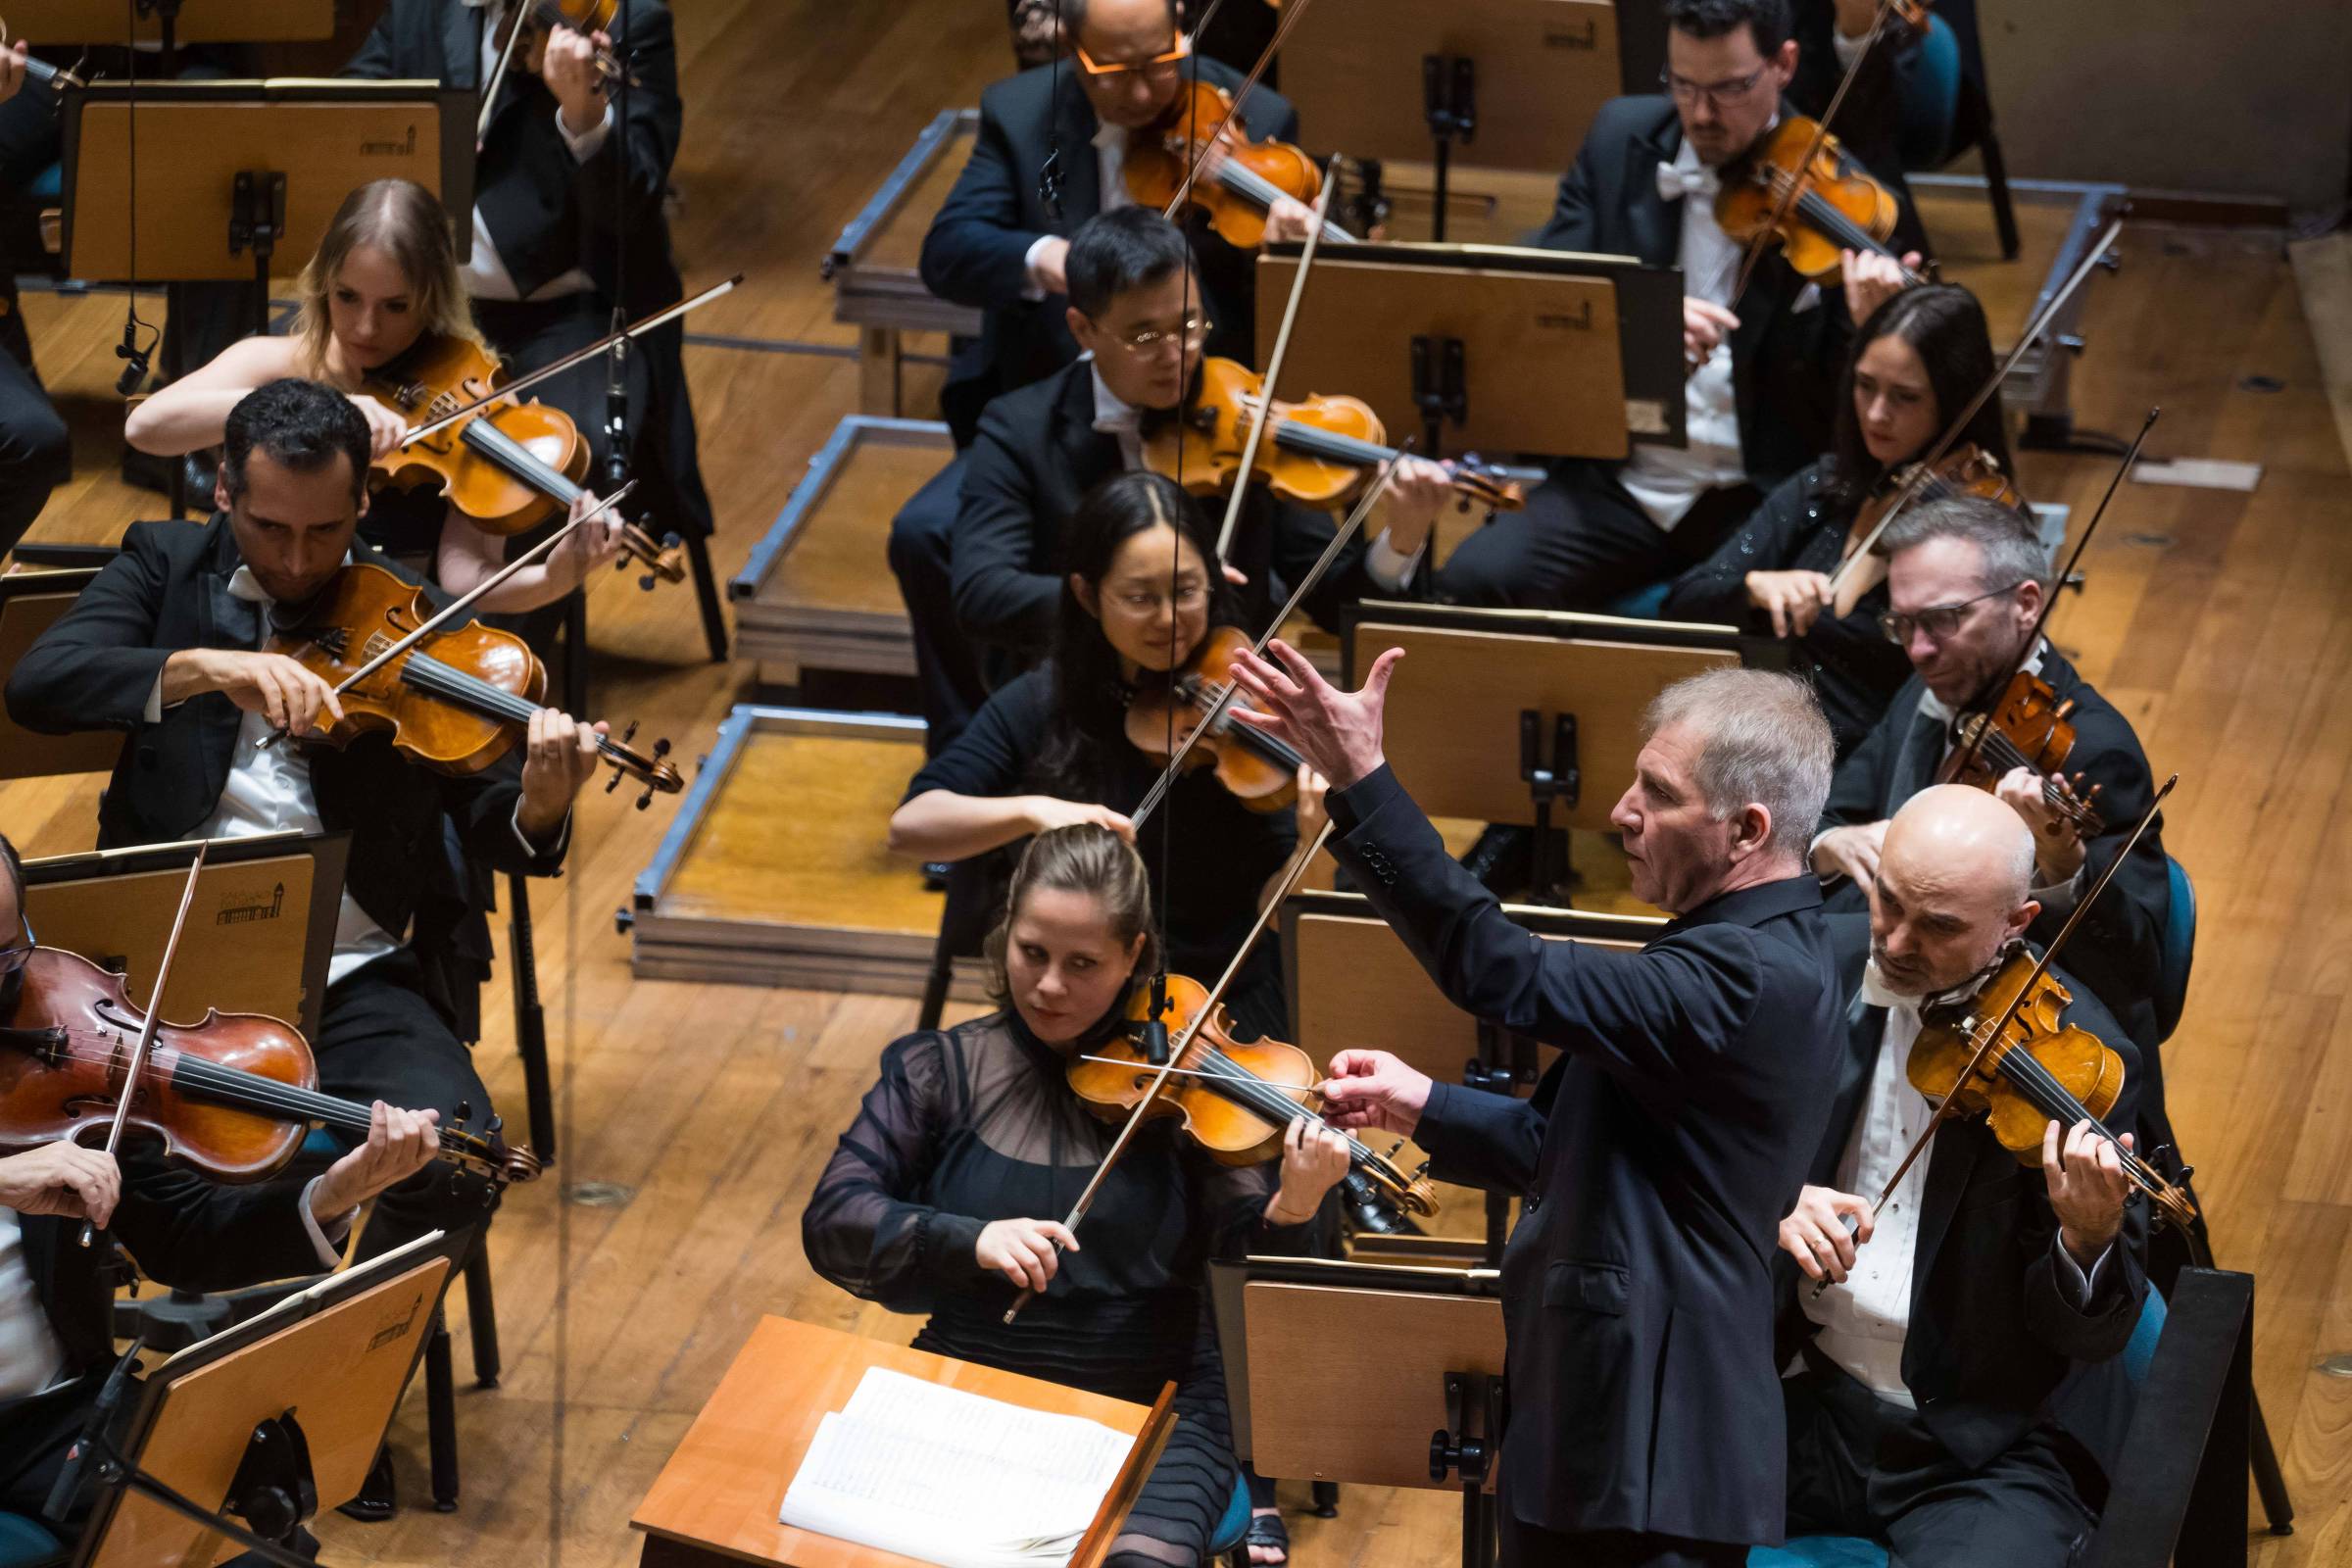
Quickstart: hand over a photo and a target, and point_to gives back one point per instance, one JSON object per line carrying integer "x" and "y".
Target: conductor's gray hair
{"x": 2008, "y": 547}
{"x": 1762, "y": 741}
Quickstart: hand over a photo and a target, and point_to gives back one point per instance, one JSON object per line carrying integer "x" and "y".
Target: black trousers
{"x": 1526, "y": 1545}
{"x": 946, "y": 667}
{"x": 34, "y": 1434}
{"x": 381, "y": 1038}
{"x": 1859, "y": 1466}
{"x": 1582, "y": 542}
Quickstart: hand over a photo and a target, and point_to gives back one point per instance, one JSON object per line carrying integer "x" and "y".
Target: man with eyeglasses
{"x": 1136, "y": 309}
{"x": 1763, "y": 367}
{"x": 1965, "y": 582}
{"x": 56, "y": 1298}
{"x": 1000, "y": 241}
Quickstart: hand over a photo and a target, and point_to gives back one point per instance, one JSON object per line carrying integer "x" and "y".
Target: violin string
{"x": 2055, "y": 1099}
{"x": 1270, "y": 1101}
{"x": 2006, "y": 752}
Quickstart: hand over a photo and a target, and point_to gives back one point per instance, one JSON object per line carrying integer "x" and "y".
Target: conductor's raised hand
{"x": 1023, "y": 1251}
{"x": 1373, "y": 1088}
{"x": 1337, "y": 732}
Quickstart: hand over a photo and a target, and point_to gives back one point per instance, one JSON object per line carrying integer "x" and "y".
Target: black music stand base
{"x": 276, "y": 1468}
{"x": 1470, "y": 1446}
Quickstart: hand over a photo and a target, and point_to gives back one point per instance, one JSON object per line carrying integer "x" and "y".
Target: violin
{"x": 1261, "y": 771}
{"x": 1316, "y": 453}
{"x": 458, "y": 707}
{"x": 508, "y": 468}
{"x": 57, "y": 78}
{"x": 1967, "y": 470}
{"x": 2026, "y": 726}
{"x": 1251, "y": 178}
{"x": 2036, "y": 1071}
{"x": 533, "y": 20}
{"x": 1837, "y": 206}
{"x": 1236, "y": 1101}
{"x": 230, "y": 1098}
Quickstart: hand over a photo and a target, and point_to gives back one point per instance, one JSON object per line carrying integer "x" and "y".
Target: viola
{"x": 1316, "y": 451}
{"x": 229, "y": 1098}
{"x": 2006, "y": 1055}
{"x": 1836, "y": 206}
{"x": 509, "y": 466}
{"x": 1235, "y": 1100}
{"x": 1261, "y": 771}
{"x": 455, "y": 700}
{"x": 1967, "y": 470}
{"x": 2026, "y": 726}
{"x": 1248, "y": 180}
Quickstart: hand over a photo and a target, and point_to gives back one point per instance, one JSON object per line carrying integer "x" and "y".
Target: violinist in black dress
{"x": 946, "y": 1195}
{"x": 1916, "y": 364}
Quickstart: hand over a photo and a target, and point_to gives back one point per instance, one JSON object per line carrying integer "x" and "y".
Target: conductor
{"x": 1660, "y": 1152}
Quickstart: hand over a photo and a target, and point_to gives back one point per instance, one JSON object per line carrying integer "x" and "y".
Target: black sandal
{"x": 1268, "y": 1530}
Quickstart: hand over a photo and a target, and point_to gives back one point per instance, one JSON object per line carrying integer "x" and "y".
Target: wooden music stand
{"x": 1421, "y": 1350}
{"x": 31, "y": 602}
{"x": 1516, "y": 82}
{"x": 182, "y": 21}
{"x": 330, "y": 1360}
{"x": 716, "y": 1501}
{"x": 1486, "y": 348}
{"x": 259, "y": 935}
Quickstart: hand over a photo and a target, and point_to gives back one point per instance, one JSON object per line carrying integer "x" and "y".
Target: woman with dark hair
{"x": 1917, "y": 362}
{"x": 943, "y": 1195}
{"x": 1051, "y": 748}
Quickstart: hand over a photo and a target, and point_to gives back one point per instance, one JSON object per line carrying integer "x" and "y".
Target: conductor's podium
{"x": 874, "y": 265}
{"x": 775, "y": 871}
{"x": 817, "y": 591}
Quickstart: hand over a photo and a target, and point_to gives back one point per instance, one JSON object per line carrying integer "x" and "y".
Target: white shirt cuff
{"x": 1388, "y": 568}
{"x": 525, "y": 838}
{"x": 330, "y": 1248}
{"x": 155, "y": 701}
{"x": 1037, "y": 285}
{"x": 2070, "y": 1272}
{"x": 1848, "y": 50}
{"x": 585, "y": 147}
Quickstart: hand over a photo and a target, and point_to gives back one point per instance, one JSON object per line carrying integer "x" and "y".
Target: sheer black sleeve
{"x": 866, "y": 1228}
{"x": 1716, "y": 589}
{"x": 1232, "y": 1200}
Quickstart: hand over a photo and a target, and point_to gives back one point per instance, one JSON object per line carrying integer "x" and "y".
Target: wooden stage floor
{"x": 695, "y": 1119}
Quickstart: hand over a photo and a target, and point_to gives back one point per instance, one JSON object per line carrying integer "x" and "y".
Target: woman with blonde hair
{"x": 384, "y": 280}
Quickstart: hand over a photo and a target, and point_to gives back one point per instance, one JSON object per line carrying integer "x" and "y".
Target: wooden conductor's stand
{"x": 237, "y": 179}
{"x": 1420, "y": 1350}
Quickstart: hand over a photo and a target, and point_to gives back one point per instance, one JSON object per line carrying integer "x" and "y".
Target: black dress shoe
{"x": 377, "y": 1500}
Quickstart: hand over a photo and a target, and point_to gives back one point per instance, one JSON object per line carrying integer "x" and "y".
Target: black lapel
{"x": 1949, "y": 1162}
{"x": 1656, "y": 224}
{"x": 1082, "y": 447}
{"x": 461, "y": 46}
{"x": 1080, "y": 165}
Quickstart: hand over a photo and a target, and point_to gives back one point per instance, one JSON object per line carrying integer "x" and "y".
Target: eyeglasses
{"x": 1717, "y": 93}
{"x": 1159, "y": 67}
{"x": 1938, "y": 621}
{"x": 1192, "y": 333}
{"x": 13, "y": 959}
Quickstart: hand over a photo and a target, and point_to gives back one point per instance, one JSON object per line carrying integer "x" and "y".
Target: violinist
{"x": 166, "y": 647}
{"x": 1052, "y": 745}
{"x": 384, "y": 280}
{"x": 36, "y": 451}
{"x": 1964, "y": 580}
{"x": 57, "y": 1299}
{"x": 998, "y": 244}
{"x": 1959, "y": 1394}
{"x": 569, "y": 218}
{"x": 1834, "y": 37}
{"x": 1762, "y": 385}
{"x": 1658, "y": 1154}
{"x": 1915, "y": 365}
{"x": 941, "y": 1196}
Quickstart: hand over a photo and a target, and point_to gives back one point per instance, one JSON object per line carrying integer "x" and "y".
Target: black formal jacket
{"x": 184, "y": 1232}
{"x": 1998, "y": 1342}
{"x": 1037, "y": 455}
{"x": 1785, "y": 361}
{"x": 976, "y": 250}
{"x": 168, "y": 591}
{"x": 1657, "y": 1162}
{"x": 1868, "y": 124}
{"x": 548, "y": 211}
{"x": 2118, "y": 949}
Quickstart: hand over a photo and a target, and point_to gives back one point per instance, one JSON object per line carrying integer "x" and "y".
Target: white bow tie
{"x": 1675, "y": 181}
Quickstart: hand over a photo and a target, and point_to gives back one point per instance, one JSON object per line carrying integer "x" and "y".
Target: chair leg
{"x": 531, "y": 1021}
{"x": 2276, "y": 1506}
{"x": 935, "y": 986}
{"x": 1327, "y": 1499}
{"x": 575, "y": 653}
{"x": 706, "y": 593}
{"x": 1997, "y": 185}
{"x": 441, "y": 1417}
{"x": 481, "y": 1312}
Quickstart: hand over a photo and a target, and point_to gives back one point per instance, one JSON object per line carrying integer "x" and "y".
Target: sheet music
{"x": 954, "y": 1478}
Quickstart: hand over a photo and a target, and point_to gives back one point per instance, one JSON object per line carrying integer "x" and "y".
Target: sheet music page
{"x": 954, "y": 1478}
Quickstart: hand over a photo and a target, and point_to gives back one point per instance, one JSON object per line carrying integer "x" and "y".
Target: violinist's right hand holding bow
{"x": 1852, "y": 852}
{"x": 292, "y": 699}
{"x": 1025, "y": 1251}
{"x": 386, "y": 431}
{"x": 12, "y": 70}
{"x": 1815, "y": 1232}
{"x": 1794, "y": 599}
{"x": 62, "y": 1178}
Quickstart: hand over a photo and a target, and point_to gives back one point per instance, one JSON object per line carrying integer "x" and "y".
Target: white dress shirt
{"x": 1865, "y": 1321}
{"x": 486, "y": 275}
{"x": 1668, "y": 480}
{"x": 1114, "y": 416}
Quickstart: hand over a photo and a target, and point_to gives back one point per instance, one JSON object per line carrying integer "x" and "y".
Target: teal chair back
{"x": 2176, "y": 949}
{"x": 24, "y": 1543}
